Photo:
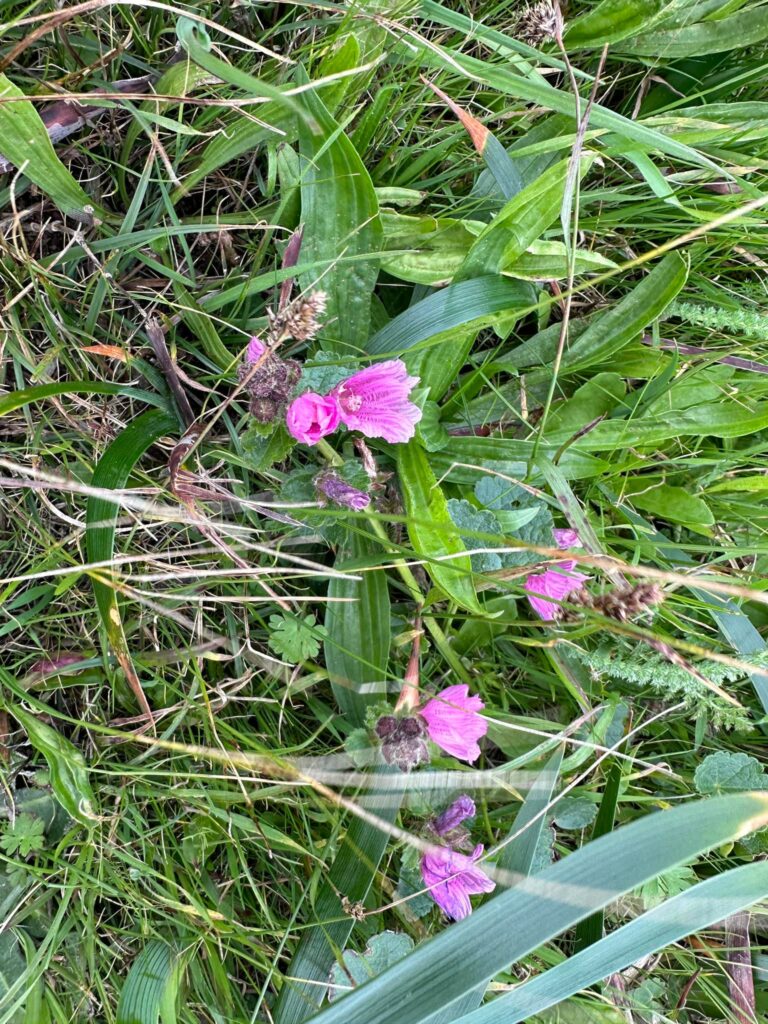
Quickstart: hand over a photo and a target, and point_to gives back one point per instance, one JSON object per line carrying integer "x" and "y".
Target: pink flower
{"x": 452, "y": 878}
{"x": 454, "y": 815}
{"x": 255, "y": 350}
{"x": 310, "y": 417}
{"x": 375, "y": 402}
{"x": 556, "y": 584}
{"x": 453, "y": 722}
{"x": 566, "y": 538}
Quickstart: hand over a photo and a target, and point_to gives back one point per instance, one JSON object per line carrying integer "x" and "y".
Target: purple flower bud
{"x": 403, "y": 741}
{"x": 338, "y": 490}
{"x": 566, "y": 538}
{"x": 254, "y": 352}
{"x": 454, "y": 815}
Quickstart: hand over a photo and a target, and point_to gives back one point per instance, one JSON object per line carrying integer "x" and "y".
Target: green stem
{"x": 439, "y": 637}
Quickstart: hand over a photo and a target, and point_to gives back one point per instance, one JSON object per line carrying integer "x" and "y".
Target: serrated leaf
{"x": 724, "y": 772}
{"x": 262, "y": 452}
{"x": 294, "y": 638}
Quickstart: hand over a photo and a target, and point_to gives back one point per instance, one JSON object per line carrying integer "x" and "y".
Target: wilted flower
{"x": 453, "y": 722}
{"x": 453, "y": 816}
{"x": 299, "y": 319}
{"x": 332, "y": 486}
{"x": 539, "y": 22}
{"x": 403, "y": 741}
{"x": 268, "y": 384}
{"x": 375, "y": 401}
{"x": 310, "y": 417}
{"x": 452, "y": 878}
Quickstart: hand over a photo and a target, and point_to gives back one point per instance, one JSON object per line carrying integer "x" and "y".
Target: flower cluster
{"x": 452, "y": 877}
{"x": 451, "y": 720}
{"x": 268, "y": 380}
{"x": 375, "y": 401}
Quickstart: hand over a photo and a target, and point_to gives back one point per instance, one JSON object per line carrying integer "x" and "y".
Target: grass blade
{"x": 698, "y": 907}
{"x": 523, "y": 918}
{"x": 151, "y": 987}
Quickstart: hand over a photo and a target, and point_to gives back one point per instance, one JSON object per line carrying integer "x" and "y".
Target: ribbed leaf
{"x": 459, "y": 304}
{"x": 340, "y": 213}
{"x": 151, "y": 986}
{"x": 357, "y": 646}
{"x": 745, "y": 28}
{"x": 17, "y": 399}
{"x": 698, "y": 907}
{"x": 431, "y": 529}
{"x": 24, "y": 140}
{"x": 612, "y": 20}
{"x": 520, "y": 920}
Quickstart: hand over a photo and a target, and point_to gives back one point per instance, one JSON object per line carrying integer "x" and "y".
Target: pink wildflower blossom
{"x": 452, "y": 878}
{"x": 375, "y": 401}
{"x": 554, "y": 584}
{"x": 566, "y": 538}
{"x": 453, "y": 722}
{"x": 310, "y": 417}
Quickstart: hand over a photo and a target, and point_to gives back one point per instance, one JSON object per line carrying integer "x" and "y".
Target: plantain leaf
{"x": 745, "y": 28}
{"x": 358, "y": 625}
{"x": 69, "y": 775}
{"x": 520, "y": 920}
{"x": 520, "y": 222}
{"x": 26, "y": 396}
{"x": 612, "y": 20}
{"x": 471, "y": 302}
{"x": 693, "y": 910}
{"x": 340, "y": 213}
{"x": 24, "y": 140}
{"x": 151, "y": 988}
{"x": 432, "y": 532}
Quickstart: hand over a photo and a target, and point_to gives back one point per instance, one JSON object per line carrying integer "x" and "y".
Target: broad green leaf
{"x": 725, "y": 771}
{"x": 520, "y": 920}
{"x": 432, "y": 532}
{"x": 548, "y": 261}
{"x": 357, "y": 619}
{"x": 520, "y": 222}
{"x": 745, "y": 28}
{"x": 470, "y": 459}
{"x": 24, "y": 140}
{"x": 12, "y": 969}
{"x": 697, "y": 908}
{"x": 69, "y": 774}
{"x": 340, "y": 214}
{"x": 675, "y": 504}
{"x": 609, "y": 332}
{"x": 112, "y": 473}
{"x": 597, "y": 397}
{"x": 574, "y": 812}
{"x": 425, "y": 250}
{"x": 351, "y": 875}
{"x": 612, "y": 20}
{"x": 150, "y": 992}
{"x": 470, "y": 302}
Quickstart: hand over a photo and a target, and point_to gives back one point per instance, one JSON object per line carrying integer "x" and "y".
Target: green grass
{"x": 213, "y": 866}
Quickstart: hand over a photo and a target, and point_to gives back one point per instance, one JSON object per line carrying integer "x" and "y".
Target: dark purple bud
{"x": 403, "y": 741}
{"x": 331, "y": 486}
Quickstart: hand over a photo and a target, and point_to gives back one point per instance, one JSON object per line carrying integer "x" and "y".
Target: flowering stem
{"x": 409, "y": 695}
{"x": 332, "y": 456}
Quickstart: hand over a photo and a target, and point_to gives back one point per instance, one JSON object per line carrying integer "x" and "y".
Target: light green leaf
{"x": 382, "y": 951}
{"x": 745, "y": 28}
{"x": 295, "y": 638}
{"x": 340, "y": 213}
{"x": 675, "y": 504}
{"x": 151, "y": 989}
{"x": 431, "y": 529}
{"x": 724, "y": 772}
{"x": 524, "y": 918}
{"x": 574, "y": 812}
{"x": 24, "y": 140}
{"x": 69, "y": 774}
{"x": 612, "y": 20}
